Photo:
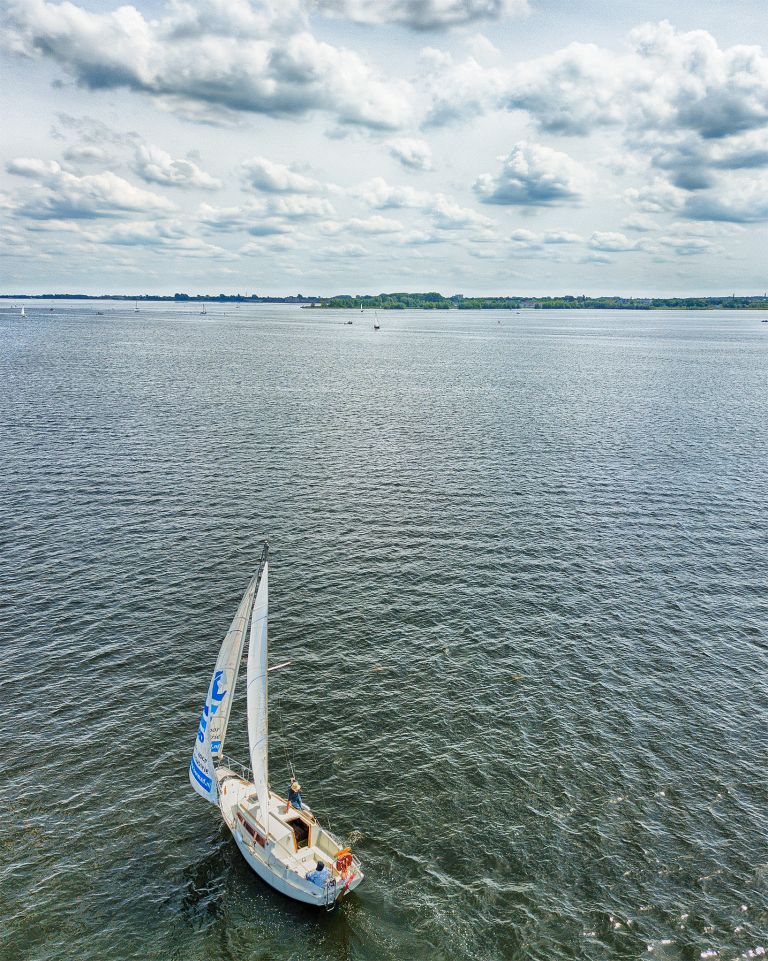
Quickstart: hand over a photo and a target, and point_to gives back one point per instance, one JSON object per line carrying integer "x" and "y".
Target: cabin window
{"x": 300, "y": 830}
{"x": 251, "y": 830}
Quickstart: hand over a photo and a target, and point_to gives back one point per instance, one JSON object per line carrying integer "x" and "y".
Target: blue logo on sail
{"x": 217, "y": 696}
{"x": 200, "y": 776}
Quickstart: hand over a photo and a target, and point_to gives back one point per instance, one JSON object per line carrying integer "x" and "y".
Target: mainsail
{"x": 218, "y": 704}
{"x": 257, "y": 698}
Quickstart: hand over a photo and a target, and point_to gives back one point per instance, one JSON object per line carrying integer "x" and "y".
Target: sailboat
{"x": 136, "y": 307}
{"x": 281, "y": 843}
{"x": 23, "y": 312}
{"x": 204, "y": 311}
{"x": 376, "y": 324}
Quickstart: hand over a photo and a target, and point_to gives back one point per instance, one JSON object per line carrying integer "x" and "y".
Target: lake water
{"x": 519, "y": 565}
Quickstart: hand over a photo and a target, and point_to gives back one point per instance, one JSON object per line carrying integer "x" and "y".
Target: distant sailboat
{"x": 280, "y": 842}
{"x": 23, "y": 312}
{"x": 203, "y": 311}
{"x": 136, "y": 307}
{"x": 376, "y": 324}
{"x": 361, "y": 306}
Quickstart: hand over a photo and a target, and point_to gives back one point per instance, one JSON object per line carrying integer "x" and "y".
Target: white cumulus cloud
{"x": 199, "y": 60}
{"x": 61, "y": 195}
{"x": 533, "y": 175}
{"x": 422, "y": 14}
{"x": 270, "y": 177}
{"x": 157, "y": 166}
{"x": 411, "y": 152}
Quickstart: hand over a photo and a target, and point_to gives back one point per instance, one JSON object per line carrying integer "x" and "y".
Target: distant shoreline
{"x": 429, "y": 301}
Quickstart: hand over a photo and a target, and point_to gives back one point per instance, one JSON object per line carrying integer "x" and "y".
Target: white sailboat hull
{"x": 279, "y": 862}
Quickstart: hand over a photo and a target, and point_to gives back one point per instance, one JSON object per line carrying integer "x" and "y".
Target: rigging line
{"x": 326, "y": 809}
{"x": 283, "y": 741}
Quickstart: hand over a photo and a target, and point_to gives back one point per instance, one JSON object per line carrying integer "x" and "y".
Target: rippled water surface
{"x": 519, "y": 565}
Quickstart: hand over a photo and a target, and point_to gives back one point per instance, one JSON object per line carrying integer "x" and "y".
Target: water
{"x": 520, "y": 570}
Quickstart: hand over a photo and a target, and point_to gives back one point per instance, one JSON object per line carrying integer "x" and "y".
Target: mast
{"x": 257, "y": 687}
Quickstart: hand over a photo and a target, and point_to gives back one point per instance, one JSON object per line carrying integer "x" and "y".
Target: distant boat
{"x": 136, "y": 308}
{"x": 203, "y": 311}
{"x": 376, "y": 324}
{"x": 280, "y": 841}
{"x": 23, "y": 312}
{"x": 361, "y": 306}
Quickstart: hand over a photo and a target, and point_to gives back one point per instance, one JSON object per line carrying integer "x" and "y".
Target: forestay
{"x": 258, "y": 739}
{"x": 212, "y": 729}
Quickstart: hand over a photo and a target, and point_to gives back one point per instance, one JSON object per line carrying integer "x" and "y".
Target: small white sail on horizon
{"x": 23, "y": 312}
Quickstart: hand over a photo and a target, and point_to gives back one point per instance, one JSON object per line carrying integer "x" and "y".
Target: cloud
{"x": 640, "y": 223}
{"x": 89, "y": 130}
{"x": 411, "y": 153}
{"x": 693, "y": 84}
{"x": 533, "y": 175}
{"x": 268, "y": 227}
{"x": 274, "y": 243}
{"x": 379, "y": 194}
{"x": 87, "y": 154}
{"x": 460, "y": 91}
{"x": 524, "y": 239}
{"x": 572, "y": 91}
{"x": 668, "y": 81}
{"x": 227, "y": 219}
{"x": 448, "y": 215}
{"x": 375, "y": 225}
{"x": 346, "y": 250}
{"x": 270, "y": 177}
{"x": 561, "y": 237}
{"x": 737, "y": 204}
{"x": 297, "y": 207}
{"x": 686, "y": 246}
{"x": 60, "y": 195}
{"x": 156, "y": 166}
{"x": 422, "y": 14}
{"x": 596, "y": 258}
{"x": 204, "y": 59}
{"x": 612, "y": 242}
{"x": 656, "y": 197}
{"x": 170, "y": 235}
{"x": 693, "y": 163}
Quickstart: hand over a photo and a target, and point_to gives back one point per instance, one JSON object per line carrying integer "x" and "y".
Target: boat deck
{"x": 296, "y": 839}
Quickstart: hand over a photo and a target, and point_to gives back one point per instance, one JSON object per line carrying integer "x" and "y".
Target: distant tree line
{"x": 178, "y": 298}
{"x": 436, "y": 301}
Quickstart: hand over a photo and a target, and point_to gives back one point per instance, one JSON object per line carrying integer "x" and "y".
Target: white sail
{"x": 258, "y": 738}
{"x": 201, "y": 773}
{"x": 212, "y": 729}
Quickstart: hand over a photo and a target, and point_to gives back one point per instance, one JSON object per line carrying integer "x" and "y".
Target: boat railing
{"x": 244, "y": 771}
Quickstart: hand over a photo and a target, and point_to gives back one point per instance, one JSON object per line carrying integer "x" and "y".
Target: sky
{"x": 360, "y": 146}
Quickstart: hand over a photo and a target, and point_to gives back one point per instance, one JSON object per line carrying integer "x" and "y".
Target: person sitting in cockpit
{"x": 319, "y": 876}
